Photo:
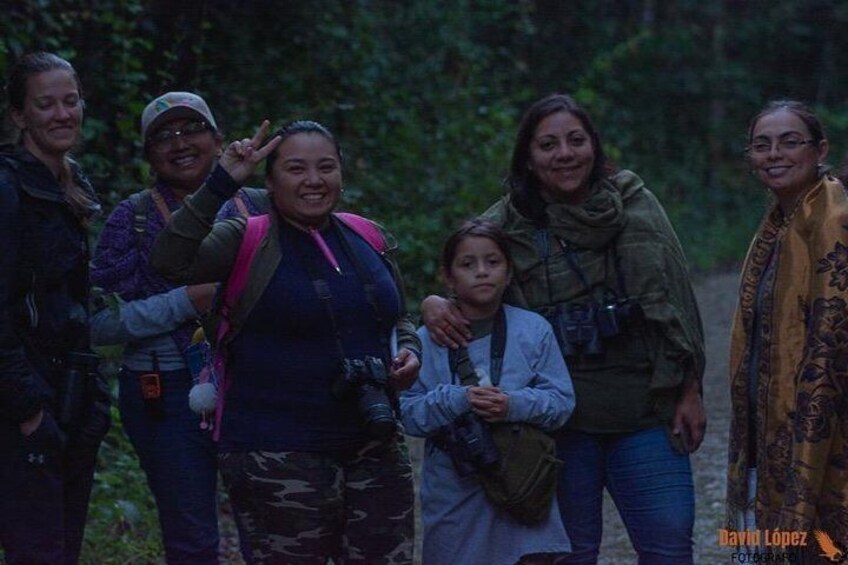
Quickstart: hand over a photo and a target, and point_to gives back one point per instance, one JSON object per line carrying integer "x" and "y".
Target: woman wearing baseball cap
{"x": 155, "y": 320}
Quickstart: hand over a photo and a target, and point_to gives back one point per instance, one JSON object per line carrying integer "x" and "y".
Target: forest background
{"x": 425, "y": 97}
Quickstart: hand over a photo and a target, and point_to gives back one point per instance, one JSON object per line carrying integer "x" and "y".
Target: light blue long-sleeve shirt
{"x": 145, "y": 325}
{"x": 460, "y": 524}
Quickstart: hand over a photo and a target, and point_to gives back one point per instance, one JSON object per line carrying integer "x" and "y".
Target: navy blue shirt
{"x": 286, "y": 358}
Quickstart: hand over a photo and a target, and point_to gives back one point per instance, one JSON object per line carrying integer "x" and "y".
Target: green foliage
{"x": 425, "y": 97}
{"x": 122, "y": 523}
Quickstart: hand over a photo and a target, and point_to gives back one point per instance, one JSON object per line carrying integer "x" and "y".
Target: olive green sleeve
{"x": 406, "y": 335}
{"x": 192, "y": 248}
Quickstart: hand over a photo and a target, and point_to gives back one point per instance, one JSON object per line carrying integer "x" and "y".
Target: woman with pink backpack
{"x": 318, "y": 345}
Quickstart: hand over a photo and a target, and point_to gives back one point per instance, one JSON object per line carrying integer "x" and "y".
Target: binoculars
{"x": 581, "y": 328}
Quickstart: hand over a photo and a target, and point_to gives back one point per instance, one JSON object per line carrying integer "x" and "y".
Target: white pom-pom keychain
{"x": 202, "y": 398}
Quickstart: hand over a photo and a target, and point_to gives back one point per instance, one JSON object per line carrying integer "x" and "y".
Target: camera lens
{"x": 377, "y": 412}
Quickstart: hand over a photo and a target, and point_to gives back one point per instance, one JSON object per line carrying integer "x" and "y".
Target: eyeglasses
{"x": 783, "y": 145}
{"x": 165, "y": 138}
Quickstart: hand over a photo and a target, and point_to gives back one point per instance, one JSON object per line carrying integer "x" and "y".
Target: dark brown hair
{"x": 804, "y": 113}
{"x": 474, "y": 228}
{"x": 521, "y": 182}
{"x": 294, "y": 128}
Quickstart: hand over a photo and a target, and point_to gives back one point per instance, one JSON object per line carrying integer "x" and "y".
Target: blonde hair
{"x": 81, "y": 202}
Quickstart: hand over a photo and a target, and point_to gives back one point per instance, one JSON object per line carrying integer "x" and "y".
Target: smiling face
{"x": 51, "y": 116}
{"x": 306, "y": 178}
{"x": 562, "y": 158}
{"x": 787, "y": 172}
{"x": 183, "y": 162}
{"x": 478, "y": 276}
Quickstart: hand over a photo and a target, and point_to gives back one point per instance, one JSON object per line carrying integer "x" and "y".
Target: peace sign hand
{"x": 241, "y": 158}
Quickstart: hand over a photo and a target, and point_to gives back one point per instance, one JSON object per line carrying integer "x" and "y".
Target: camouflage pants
{"x": 298, "y": 507}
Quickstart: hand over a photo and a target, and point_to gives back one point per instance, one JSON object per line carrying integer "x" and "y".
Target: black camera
{"x": 469, "y": 443}
{"x": 366, "y": 380}
{"x": 79, "y": 368}
{"x": 581, "y": 328}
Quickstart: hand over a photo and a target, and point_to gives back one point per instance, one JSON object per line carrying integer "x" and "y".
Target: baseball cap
{"x": 175, "y": 105}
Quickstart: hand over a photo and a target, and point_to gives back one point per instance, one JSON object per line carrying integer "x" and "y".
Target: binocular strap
{"x": 460, "y": 362}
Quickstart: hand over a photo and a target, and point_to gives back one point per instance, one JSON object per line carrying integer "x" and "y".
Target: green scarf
{"x": 593, "y": 223}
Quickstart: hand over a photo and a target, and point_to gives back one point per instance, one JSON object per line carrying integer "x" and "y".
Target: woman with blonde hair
{"x": 54, "y": 409}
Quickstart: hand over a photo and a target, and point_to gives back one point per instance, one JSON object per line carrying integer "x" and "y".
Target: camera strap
{"x": 462, "y": 366}
{"x": 322, "y": 288}
{"x": 611, "y": 249}
{"x": 575, "y": 266}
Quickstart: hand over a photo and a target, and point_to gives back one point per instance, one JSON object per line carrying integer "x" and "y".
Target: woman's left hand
{"x": 489, "y": 403}
{"x": 241, "y": 158}
{"x": 690, "y": 420}
{"x": 404, "y": 369}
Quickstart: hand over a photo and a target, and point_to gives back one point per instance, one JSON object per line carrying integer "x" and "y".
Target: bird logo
{"x": 833, "y": 551}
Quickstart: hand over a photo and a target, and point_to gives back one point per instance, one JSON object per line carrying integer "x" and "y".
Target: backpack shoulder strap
{"x": 364, "y": 228}
{"x": 257, "y": 227}
{"x": 140, "y": 203}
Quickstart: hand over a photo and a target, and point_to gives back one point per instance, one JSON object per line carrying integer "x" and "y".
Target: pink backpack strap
{"x": 365, "y": 228}
{"x": 257, "y": 227}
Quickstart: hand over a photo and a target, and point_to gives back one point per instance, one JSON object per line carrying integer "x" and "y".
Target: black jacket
{"x": 44, "y": 256}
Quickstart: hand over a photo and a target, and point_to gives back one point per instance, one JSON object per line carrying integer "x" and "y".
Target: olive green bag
{"x": 524, "y": 480}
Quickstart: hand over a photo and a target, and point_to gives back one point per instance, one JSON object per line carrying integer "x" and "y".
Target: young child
{"x": 461, "y": 525}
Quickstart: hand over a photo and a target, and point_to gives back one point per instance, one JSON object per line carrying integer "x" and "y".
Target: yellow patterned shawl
{"x": 802, "y": 392}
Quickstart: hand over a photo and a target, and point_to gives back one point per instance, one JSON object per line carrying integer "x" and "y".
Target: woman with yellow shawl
{"x": 789, "y": 355}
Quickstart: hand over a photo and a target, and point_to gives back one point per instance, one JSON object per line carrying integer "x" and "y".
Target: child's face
{"x": 479, "y": 275}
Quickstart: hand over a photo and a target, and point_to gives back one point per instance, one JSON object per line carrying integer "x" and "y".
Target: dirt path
{"x": 717, "y": 299}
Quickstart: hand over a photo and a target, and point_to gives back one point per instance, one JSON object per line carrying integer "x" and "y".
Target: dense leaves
{"x": 426, "y": 95}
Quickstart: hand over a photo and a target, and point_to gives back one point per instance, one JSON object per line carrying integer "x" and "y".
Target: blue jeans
{"x": 180, "y": 461}
{"x": 650, "y": 483}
